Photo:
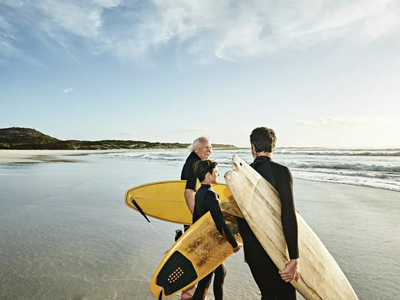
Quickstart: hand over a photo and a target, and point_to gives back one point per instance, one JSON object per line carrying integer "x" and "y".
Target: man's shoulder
{"x": 279, "y": 167}
{"x": 191, "y": 159}
{"x": 187, "y": 169}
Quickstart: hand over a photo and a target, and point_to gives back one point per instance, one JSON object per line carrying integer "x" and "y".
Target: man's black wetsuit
{"x": 208, "y": 201}
{"x": 188, "y": 175}
{"x": 188, "y": 172}
{"x": 264, "y": 271}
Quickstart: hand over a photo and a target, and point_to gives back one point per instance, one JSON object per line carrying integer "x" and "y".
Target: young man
{"x": 273, "y": 284}
{"x": 206, "y": 200}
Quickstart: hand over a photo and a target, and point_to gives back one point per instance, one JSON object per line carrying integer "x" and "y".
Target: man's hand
{"x": 291, "y": 271}
{"x": 239, "y": 246}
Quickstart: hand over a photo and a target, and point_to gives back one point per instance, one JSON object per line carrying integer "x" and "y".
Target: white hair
{"x": 197, "y": 141}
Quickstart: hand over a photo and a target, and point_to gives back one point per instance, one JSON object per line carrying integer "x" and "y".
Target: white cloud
{"x": 232, "y": 30}
{"x": 205, "y": 30}
{"x": 128, "y": 132}
{"x": 66, "y": 91}
{"x": 345, "y": 121}
{"x": 197, "y": 129}
{"x": 192, "y": 129}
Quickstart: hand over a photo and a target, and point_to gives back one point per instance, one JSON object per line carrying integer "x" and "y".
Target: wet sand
{"x": 8, "y": 156}
{"x": 67, "y": 234}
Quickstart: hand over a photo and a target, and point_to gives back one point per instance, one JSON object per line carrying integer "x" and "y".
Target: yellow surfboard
{"x": 196, "y": 254}
{"x": 164, "y": 200}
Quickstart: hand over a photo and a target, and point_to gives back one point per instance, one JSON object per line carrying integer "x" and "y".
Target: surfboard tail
{"x": 138, "y": 208}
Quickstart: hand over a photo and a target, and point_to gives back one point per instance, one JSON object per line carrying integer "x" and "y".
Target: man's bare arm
{"x": 189, "y": 197}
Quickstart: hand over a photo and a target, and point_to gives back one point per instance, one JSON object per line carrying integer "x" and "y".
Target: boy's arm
{"x": 215, "y": 210}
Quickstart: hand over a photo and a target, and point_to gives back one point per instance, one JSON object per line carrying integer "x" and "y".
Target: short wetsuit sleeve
{"x": 191, "y": 178}
{"x": 288, "y": 215}
{"x": 212, "y": 202}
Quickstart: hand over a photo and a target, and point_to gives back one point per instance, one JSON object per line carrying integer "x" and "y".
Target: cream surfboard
{"x": 195, "y": 255}
{"x": 258, "y": 201}
{"x": 164, "y": 200}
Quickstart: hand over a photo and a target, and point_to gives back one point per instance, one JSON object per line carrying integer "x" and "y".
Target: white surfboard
{"x": 258, "y": 202}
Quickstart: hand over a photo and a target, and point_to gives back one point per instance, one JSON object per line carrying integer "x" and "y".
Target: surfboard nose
{"x": 228, "y": 175}
{"x": 235, "y": 167}
{"x": 236, "y": 162}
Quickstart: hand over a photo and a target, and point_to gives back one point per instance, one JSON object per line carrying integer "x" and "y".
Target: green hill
{"x": 23, "y": 138}
{"x": 26, "y": 138}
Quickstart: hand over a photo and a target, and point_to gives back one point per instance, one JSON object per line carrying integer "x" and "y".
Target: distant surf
{"x": 377, "y": 168}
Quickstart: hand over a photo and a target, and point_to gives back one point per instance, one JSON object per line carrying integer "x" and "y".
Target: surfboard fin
{"x": 138, "y": 208}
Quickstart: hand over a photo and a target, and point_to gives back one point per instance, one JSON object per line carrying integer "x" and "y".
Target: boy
{"x": 206, "y": 200}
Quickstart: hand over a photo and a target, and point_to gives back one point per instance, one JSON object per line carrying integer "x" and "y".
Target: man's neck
{"x": 267, "y": 154}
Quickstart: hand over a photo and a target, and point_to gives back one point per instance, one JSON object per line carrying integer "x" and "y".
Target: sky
{"x": 320, "y": 73}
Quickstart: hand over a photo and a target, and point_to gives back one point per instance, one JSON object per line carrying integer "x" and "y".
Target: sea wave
{"x": 339, "y": 153}
{"x": 380, "y": 170}
{"x": 380, "y": 183}
{"x": 159, "y": 156}
{"x": 345, "y": 166}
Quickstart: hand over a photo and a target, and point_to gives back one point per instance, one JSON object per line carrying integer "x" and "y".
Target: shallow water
{"x": 65, "y": 232}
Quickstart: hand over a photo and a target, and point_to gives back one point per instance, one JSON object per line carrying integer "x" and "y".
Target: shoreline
{"x": 26, "y": 156}
{"x": 29, "y": 156}
{"x": 69, "y": 156}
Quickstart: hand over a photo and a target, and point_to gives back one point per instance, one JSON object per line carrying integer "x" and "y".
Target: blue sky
{"x": 321, "y": 73}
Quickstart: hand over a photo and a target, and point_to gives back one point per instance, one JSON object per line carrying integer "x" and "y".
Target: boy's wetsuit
{"x": 264, "y": 271}
{"x": 207, "y": 200}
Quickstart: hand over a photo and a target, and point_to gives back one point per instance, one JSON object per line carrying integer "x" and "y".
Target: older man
{"x": 199, "y": 150}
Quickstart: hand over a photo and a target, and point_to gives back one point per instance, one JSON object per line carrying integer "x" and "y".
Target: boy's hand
{"x": 239, "y": 246}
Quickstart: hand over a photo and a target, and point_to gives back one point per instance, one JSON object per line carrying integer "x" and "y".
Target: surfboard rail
{"x": 165, "y": 201}
{"x": 196, "y": 254}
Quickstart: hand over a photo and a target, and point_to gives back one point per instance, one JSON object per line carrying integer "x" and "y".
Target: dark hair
{"x": 263, "y": 139}
{"x": 202, "y": 167}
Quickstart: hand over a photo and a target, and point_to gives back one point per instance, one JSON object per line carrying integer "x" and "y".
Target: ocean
{"x": 377, "y": 168}
{"x": 65, "y": 232}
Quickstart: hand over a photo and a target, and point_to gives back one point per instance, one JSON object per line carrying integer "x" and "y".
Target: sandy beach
{"x": 67, "y": 234}
{"x": 7, "y": 156}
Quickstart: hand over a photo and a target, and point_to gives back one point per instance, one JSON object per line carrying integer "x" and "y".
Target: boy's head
{"x": 206, "y": 170}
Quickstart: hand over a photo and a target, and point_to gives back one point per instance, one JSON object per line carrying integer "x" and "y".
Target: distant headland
{"x": 31, "y": 139}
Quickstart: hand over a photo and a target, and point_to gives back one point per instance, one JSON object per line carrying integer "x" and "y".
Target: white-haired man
{"x": 199, "y": 150}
